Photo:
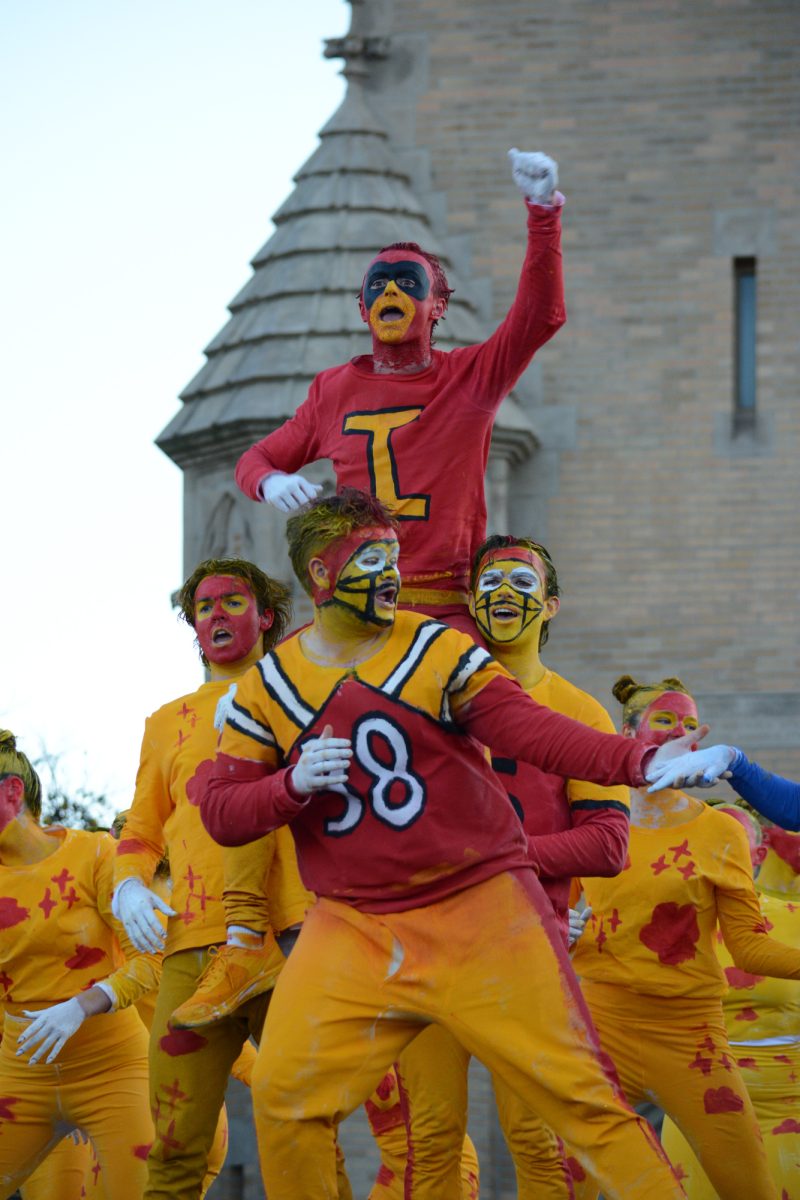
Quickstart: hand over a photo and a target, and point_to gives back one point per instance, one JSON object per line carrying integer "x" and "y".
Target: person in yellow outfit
{"x": 425, "y": 889}
{"x": 762, "y": 1016}
{"x": 74, "y": 1051}
{"x": 238, "y": 612}
{"x": 648, "y": 965}
{"x": 572, "y": 828}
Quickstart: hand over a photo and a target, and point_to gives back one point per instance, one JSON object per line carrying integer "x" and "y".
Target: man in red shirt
{"x": 426, "y": 891}
{"x": 412, "y": 424}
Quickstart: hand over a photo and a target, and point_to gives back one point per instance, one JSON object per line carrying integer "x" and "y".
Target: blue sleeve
{"x": 776, "y": 798}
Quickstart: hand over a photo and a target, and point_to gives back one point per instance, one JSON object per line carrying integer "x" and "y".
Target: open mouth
{"x": 391, "y": 313}
{"x": 221, "y": 637}
{"x": 387, "y": 593}
{"x": 504, "y": 611}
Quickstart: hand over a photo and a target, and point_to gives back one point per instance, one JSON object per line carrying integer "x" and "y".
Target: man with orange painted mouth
{"x": 407, "y": 420}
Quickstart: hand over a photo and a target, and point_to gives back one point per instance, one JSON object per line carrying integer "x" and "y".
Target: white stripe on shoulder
{"x": 244, "y": 722}
{"x": 423, "y": 638}
{"x": 469, "y": 663}
{"x": 223, "y": 709}
{"x": 284, "y": 692}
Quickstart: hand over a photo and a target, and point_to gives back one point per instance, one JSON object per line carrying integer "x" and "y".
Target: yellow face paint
{"x": 509, "y": 599}
{"x": 391, "y": 315}
{"x": 369, "y": 582}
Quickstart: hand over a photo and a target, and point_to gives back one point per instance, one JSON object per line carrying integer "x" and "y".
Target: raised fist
{"x": 535, "y": 174}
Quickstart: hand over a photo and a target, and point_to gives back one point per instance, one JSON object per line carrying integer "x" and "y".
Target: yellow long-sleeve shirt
{"x": 57, "y": 934}
{"x": 653, "y": 926}
{"x": 758, "y": 1007}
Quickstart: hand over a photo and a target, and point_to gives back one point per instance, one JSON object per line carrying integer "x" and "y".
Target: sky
{"x": 145, "y": 147}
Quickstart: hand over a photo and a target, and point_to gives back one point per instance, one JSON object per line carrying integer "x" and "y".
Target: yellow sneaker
{"x": 233, "y": 975}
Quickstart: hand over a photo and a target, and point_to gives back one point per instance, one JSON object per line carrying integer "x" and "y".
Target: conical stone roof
{"x": 298, "y": 312}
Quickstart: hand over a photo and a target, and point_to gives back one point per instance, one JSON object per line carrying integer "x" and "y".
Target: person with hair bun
{"x": 762, "y": 1015}
{"x": 74, "y": 1051}
{"x": 648, "y": 965}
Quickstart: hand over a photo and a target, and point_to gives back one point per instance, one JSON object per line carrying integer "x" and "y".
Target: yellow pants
{"x": 771, "y": 1075}
{"x": 675, "y": 1053}
{"x": 409, "y": 1130}
{"x": 358, "y": 988}
{"x": 98, "y": 1083}
{"x": 189, "y": 1071}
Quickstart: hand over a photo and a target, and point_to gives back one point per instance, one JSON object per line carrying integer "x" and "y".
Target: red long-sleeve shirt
{"x": 424, "y": 815}
{"x": 420, "y": 442}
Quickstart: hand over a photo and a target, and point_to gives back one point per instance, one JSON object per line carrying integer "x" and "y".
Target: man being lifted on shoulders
{"x": 412, "y": 424}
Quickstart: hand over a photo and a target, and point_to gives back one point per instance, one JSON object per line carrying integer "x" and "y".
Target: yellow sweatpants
{"x": 98, "y": 1083}
{"x": 771, "y": 1075}
{"x": 189, "y": 1071}
{"x": 359, "y": 987}
{"x": 410, "y": 1129}
{"x": 675, "y": 1053}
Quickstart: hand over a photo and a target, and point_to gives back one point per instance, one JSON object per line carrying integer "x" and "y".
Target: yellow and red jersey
{"x": 573, "y": 827}
{"x": 420, "y": 441}
{"x": 423, "y": 814}
{"x": 653, "y": 926}
{"x": 57, "y": 934}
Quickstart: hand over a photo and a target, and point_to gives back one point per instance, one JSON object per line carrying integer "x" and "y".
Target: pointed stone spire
{"x": 298, "y": 312}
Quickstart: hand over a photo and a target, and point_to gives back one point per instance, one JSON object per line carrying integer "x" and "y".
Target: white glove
{"x": 700, "y": 769}
{"x": 324, "y": 762}
{"x": 577, "y": 924}
{"x": 133, "y": 905}
{"x": 287, "y": 492}
{"x": 51, "y": 1026}
{"x": 536, "y": 175}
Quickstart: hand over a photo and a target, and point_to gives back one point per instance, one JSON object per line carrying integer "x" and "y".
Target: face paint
{"x": 363, "y": 574}
{"x": 226, "y": 618}
{"x": 509, "y": 595}
{"x": 397, "y": 296}
{"x": 670, "y": 715}
{"x": 12, "y": 791}
{"x": 786, "y": 845}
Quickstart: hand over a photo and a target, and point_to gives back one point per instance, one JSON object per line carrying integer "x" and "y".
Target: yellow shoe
{"x": 233, "y": 975}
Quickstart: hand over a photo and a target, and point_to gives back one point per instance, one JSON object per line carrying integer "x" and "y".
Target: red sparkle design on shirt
{"x": 6, "y": 1103}
{"x": 784, "y": 1058}
{"x": 173, "y": 1094}
{"x": 168, "y": 1140}
{"x": 614, "y": 920}
{"x": 601, "y": 938}
{"x": 84, "y": 956}
{"x": 791, "y": 907}
{"x": 679, "y": 851}
{"x": 188, "y": 713}
{"x": 750, "y": 1063}
{"x": 702, "y": 1064}
{"x": 722, "y": 1100}
{"x": 659, "y": 865}
{"x": 679, "y": 1172}
{"x": 726, "y": 1061}
{"x": 787, "y": 1126}
{"x": 672, "y": 933}
{"x": 741, "y": 979}
{"x": 47, "y": 903}
{"x": 708, "y": 1044}
{"x": 747, "y": 1014}
{"x": 768, "y": 926}
{"x": 96, "y": 1172}
{"x": 62, "y": 879}
{"x": 688, "y": 871}
{"x": 182, "y": 737}
{"x": 71, "y": 897}
{"x": 792, "y": 1077}
{"x": 11, "y": 913}
{"x": 196, "y": 786}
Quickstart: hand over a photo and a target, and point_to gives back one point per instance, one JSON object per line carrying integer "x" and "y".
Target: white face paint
{"x": 522, "y": 579}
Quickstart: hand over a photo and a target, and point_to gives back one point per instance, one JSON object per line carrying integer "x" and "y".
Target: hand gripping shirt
{"x": 573, "y": 827}
{"x": 653, "y": 926}
{"x": 177, "y": 756}
{"x": 57, "y": 934}
{"x": 423, "y": 815}
{"x": 420, "y": 441}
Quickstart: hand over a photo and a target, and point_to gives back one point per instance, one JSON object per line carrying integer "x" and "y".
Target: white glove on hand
{"x": 52, "y": 1027}
{"x": 536, "y": 175}
{"x": 324, "y": 762}
{"x": 577, "y": 924}
{"x": 700, "y": 769}
{"x": 288, "y": 492}
{"x": 133, "y": 905}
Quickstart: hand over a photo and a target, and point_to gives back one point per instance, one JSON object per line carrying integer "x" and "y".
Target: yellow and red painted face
{"x": 12, "y": 797}
{"x": 226, "y": 618}
{"x": 509, "y": 596}
{"x": 363, "y": 575}
{"x": 785, "y": 844}
{"x": 668, "y": 716}
{"x": 397, "y": 297}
